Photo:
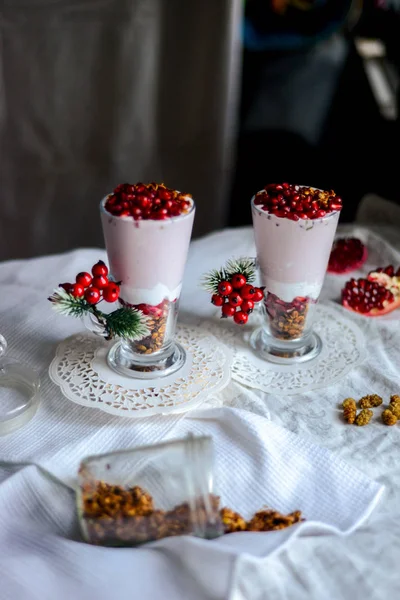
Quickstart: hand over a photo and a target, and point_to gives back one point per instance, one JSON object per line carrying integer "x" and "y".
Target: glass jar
{"x": 147, "y": 493}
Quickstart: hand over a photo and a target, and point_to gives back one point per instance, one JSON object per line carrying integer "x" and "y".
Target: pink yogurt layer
{"x": 293, "y": 255}
{"x": 147, "y": 256}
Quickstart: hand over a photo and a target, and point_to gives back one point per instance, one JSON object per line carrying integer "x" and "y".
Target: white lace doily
{"x": 79, "y": 368}
{"x": 343, "y": 349}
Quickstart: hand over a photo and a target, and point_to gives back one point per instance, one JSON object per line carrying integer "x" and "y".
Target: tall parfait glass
{"x": 294, "y": 229}
{"x": 147, "y": 231}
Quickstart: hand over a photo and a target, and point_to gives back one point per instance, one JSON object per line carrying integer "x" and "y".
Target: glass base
{"x": 121, "y": 359}
{"x": 285, "y": 353}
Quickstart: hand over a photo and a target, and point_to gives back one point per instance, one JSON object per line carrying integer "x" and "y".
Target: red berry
{"x": 67, "y": 287}
{"x": 92, "y": 295}
{"x": 225, "y": 288}
{"x": 99, "y": 269}
{"x": 84, "y": 279}
{"x": 228, "y": 310}
{"x": 100, "y": 282}
{"x": 247, "y": 292}
{"x": 217, "y": 300}
{"x": 240, "y": 317}
{"x": 258, "y": 295}
{"x": 77, "y": 290}
{"x": 238, "y": 281}
{"x": 247, "y": 306}
{"x": 111, "y": 292}
{"x": 235, "y": 299}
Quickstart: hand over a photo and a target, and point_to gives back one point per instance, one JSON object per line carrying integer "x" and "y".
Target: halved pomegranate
{"x": 374, "y": 296}
{"x": 347, "y": 255}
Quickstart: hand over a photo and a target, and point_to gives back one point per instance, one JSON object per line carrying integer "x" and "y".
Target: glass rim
{"x": 177, "y": 218}
{"x": 263, "y": 212}
{"x": 188, "y": 439}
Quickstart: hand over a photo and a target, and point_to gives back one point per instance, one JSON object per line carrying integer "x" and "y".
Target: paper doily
{"x": 79, "y": 368}
{"x": 343, "y": 349}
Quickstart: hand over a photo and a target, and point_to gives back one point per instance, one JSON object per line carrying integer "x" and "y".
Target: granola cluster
{"x": 287, "y": 319}
{"x": 117, "y": 516}
{"x": 390, "y": 415}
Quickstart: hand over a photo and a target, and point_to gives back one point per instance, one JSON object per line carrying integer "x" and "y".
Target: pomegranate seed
{"x": 389, "y": 271}
{"x": 136, "y": 212}
{"x": 321, "y": 213}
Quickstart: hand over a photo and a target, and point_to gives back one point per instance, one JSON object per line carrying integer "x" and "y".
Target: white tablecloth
{"x": 362, "y": 565}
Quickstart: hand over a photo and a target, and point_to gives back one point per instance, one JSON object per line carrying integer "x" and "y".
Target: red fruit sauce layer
{"x": 151, "y": 201}
{"x": 297, "y": 202}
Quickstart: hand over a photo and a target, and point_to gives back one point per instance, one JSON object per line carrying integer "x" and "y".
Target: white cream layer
{"x": 290, "y": 291}
{"x": 153, "y": 297}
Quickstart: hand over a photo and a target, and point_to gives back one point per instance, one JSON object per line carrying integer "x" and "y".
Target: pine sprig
{"x": 245, "y": 266}
{"x": 67, "y": 305}
{"x": 127, "y": 323}
{"x": 211, "y": 279}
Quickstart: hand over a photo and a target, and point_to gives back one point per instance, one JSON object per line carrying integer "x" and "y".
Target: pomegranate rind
{"x": 352, "y": 266}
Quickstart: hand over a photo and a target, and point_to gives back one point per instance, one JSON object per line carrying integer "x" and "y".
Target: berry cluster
{"x": 297, "y": 202}
{"x": 237, "y": 298}
{"x": 93, "y": 287}
{"x": 147, "y": 201}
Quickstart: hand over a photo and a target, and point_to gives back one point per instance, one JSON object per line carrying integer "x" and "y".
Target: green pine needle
{"x": 245, "y": 266}
{"x": 127, "y": 323}
{"x": 66, "y": 304}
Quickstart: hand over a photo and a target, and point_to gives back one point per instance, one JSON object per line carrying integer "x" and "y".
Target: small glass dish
{"x": 19, "y": 392}
{"x": 148, "y": 493}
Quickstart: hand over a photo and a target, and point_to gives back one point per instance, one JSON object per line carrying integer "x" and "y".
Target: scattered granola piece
{"x": 364, "y": 417}
{"x": 370, "y": 401}
{"x": 349, "y": 414}
{"x": 232, "y": 521}
{"x": 271, "y": 520}
{"x": 349, "y": 402}
{"x": 388, "y": 417}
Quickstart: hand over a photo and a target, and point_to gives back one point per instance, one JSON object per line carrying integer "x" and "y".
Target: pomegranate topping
{"x": 296, "y": 202}
{"x": 347, "y": 255}
{"x": 147, "y": 201}
{"x": 374, "y": 296}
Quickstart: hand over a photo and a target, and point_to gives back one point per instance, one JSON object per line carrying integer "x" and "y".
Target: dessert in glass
{"x": 294, "y": 228}
{"x": 147, "y": 231}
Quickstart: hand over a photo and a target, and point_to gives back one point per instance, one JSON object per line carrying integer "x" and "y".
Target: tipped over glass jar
{"x": 135, "y": 496}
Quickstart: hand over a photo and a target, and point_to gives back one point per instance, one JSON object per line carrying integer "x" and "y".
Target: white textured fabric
{"x": 257, "y": 464}
{"x": 36, "y": 549}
